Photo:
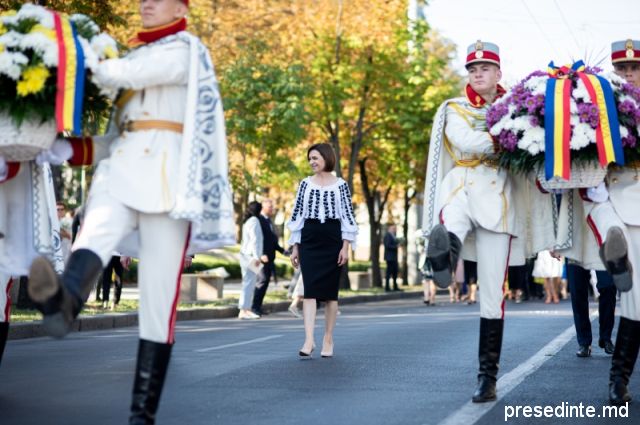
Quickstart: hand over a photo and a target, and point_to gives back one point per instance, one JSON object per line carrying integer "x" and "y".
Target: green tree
{"x": 266, "y": 118}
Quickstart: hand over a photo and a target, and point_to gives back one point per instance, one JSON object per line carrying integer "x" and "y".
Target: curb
{"x": 122, "y": 320}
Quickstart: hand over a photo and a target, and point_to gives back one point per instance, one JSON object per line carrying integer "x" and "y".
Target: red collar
{"x": 478, "y": 101}
{"x": 155, "y": 34}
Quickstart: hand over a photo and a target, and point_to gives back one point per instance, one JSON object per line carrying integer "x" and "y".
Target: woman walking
{"x": 250, "y": 258}
{"x": 322, "y": 227}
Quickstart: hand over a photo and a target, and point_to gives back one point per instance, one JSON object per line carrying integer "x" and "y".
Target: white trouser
{"x": 5, "y": 299}
{"x": 492, "y": 251}
{"x": 249, "y": 279}
{"x": 601, "y": 217}
{"x": 162, "y": 249}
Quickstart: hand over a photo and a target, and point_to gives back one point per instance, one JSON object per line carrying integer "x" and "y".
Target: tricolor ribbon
{"x": 558, "y": 120}
{"x": 71, "y": 76}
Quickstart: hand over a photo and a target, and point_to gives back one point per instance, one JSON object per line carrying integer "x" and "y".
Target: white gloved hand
{"x": 58, "y": 153}
{"x": 4, "y": 168}
{"x": 598, "y": 193}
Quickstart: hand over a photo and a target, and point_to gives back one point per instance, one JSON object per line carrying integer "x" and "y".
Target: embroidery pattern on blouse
{"x": 298, "y": 209}
{"x": 347, "y": 207}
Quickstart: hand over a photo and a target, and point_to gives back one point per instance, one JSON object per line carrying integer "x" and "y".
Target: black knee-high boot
{"x": 623, "y": 360}
{"x": 60, "y": 298}
{"x": 151, "y": 369}
{"x": 443, "y": 251}
{"x": 4, "y": 334}
{"x": 489, "y": 357}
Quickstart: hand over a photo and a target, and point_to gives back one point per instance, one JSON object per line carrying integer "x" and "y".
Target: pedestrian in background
{"x": 251, "y": 259}
{"x": 65, "y": 229}
{"x": 114, "y": 267}
{"x": 269, "y": 247}
{"x": 390, "y": 242}
{"x": 322, "y": 227}
{"x": 579, "y": 278}
{"x": 550, "y": 269}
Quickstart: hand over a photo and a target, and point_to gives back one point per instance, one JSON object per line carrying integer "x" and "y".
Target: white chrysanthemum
{"x": 41, "y": 44}
{"x": 91, "y": 59}
{"x": 582, "y": 135}
{"x": 536, "y": 85}
{"x": 522, "y": 123}
{"x": 624, "y": 132}
{"x": 580, "y": 92}
{"x": 626, "y": 97}
{"x": 11, "y": 39}
{"x": 11, "y": 64}
{"x": 615, "y": 78}
{"x": 39, "y": 13}
{"x": 573, "y": 108}
{"x": 103, "y": 44}
{"x": 85, "y": 20}
{"x": 532, "y": 140}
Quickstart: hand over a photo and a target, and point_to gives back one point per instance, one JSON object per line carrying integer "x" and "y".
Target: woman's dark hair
{"x": 327, "y": 153}
{"x": 253, "y": 210}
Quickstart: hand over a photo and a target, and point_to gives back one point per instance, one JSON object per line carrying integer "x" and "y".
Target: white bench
{"x": 201, "y": 287}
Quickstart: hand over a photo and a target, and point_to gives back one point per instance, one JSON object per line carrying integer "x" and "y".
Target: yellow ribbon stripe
{"x": 604, "y": 118}
{"x": 558, "y": 129}
{"x": 70, "y": 74}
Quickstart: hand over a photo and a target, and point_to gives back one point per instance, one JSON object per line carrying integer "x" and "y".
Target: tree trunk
{"x": 375, "y": 208}
{"x": 374, "y": 233}
{"x": 405, "y": 234}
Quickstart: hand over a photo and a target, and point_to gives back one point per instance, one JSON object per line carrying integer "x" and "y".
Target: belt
{"x": 474, "y": 162}
{"x": 130, "y": 126}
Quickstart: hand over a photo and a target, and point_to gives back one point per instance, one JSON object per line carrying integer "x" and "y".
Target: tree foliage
{"x": 354, "y": 73}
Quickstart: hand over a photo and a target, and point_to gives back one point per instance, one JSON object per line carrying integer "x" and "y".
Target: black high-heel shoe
{"x": 306, "y": 356}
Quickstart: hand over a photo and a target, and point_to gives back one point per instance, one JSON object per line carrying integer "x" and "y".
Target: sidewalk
{"x": 120, "y": 320}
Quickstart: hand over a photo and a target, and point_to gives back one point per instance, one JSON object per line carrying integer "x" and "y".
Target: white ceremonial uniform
{"x": 476, "y": 196}
{"x": 28, "y": 223}
{"x": 620, "y": 210}
{"x": 133, "y": 202}
{"x": 476, "y": 201}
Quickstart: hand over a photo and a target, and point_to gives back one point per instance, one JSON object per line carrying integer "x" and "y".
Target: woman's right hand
{"x": 295, "y": 257}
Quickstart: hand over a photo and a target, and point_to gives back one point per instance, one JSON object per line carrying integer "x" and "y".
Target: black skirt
{"x": 320, "y": 245}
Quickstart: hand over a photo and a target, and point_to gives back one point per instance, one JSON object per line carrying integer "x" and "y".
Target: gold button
{"x": 615, "y": 180}
{"x": 147, "y": 150}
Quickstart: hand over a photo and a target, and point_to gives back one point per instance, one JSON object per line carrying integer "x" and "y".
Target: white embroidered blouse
{"x": 322, "y": 203}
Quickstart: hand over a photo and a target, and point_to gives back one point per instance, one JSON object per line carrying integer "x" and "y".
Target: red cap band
{"x": 483, "y": 56}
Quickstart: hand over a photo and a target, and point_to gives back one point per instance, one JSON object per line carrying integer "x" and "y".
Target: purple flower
{"x": 508, "y": 140}
{"x": 534, "y": 121}
{"x": 629, "y": 141}
{"x": 495, "y": 113}
{"x": 588, "y": 113}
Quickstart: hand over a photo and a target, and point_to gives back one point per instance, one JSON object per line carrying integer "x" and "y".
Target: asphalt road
{"x": 397, "y": 362}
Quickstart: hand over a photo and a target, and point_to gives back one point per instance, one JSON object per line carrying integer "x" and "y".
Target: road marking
{"x": 236, "y": 344}
{"x": 471, "y": 413}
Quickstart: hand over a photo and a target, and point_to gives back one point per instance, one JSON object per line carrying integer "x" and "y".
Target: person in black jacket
{"x": 270, "y": 246}
{"x": 391, "y": 257}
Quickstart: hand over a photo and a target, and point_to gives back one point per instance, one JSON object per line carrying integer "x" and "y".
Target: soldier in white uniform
{"x": 29, "y": 226}
{"x": 611, "y": 211}
{"x": 467, "y": 196}
{"x": 161, "y": 192}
